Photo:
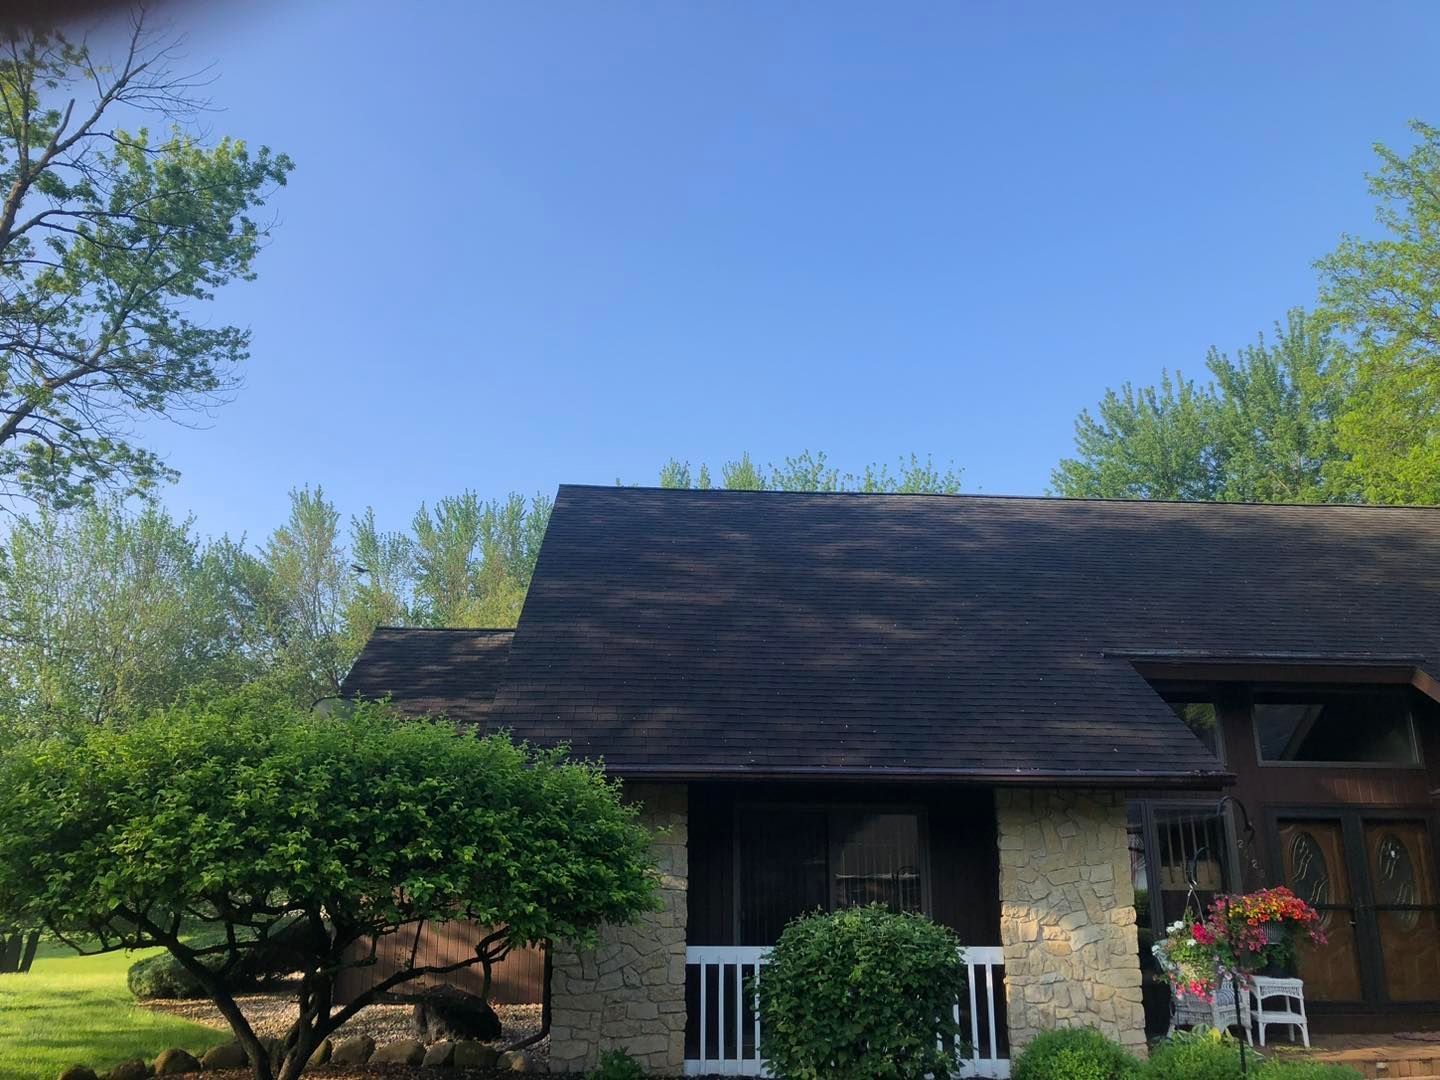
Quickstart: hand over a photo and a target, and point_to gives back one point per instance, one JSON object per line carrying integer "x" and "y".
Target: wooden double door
{"x": 1372, "y": 876}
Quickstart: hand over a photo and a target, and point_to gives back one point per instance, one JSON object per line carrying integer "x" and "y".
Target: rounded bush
{"x": 162, "y": 977}
{"x": 1075, "y": 1054}
{"x": 1199, "y": 1055}
{"x": 861, "y": 994}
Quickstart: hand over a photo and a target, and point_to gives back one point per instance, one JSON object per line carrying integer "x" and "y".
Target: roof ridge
{"x": 979, "y": 495}
{"x": 449, "y": 629}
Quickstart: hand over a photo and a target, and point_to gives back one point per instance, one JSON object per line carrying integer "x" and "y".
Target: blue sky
{"x": 532, "y": 243}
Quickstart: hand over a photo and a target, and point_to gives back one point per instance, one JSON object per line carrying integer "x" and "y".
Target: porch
{"x": 725, "y": 1030}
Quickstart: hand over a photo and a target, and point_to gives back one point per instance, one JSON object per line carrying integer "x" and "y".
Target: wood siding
{"x": 1270, "y": 792}
{"x": 519, "y": 979}
{"x": 962, "y": 861}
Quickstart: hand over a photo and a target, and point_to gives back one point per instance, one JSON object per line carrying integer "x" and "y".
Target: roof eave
{"x": 1120, "y": 779}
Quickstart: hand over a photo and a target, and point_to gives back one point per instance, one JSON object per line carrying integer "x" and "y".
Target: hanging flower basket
{"x": 1239, "y": 937}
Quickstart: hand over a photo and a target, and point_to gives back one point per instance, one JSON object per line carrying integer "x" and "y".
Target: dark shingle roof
{"x": 710, "y": 633}
{"x": 455, "y": 672}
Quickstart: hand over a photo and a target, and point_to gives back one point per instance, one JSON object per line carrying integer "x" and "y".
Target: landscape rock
{"x": 229, "y": 1055}
{"x": 78, "y": 1072}
{"x": 175, "y": 1061}
{"x": 446, "y": 1013}
{"x": 519, "y": 1061}
{"x": 440, "y": 1055}
{"x": 129, "y": 1070}
{"x": 404, "y": 1052}
{"x": 473, "y": 1055}
{"x": 321, "y": 1055}
{"x": 353, "y": 1051}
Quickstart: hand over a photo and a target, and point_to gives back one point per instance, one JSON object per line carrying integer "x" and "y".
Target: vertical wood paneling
{"x": 519, "y": 979}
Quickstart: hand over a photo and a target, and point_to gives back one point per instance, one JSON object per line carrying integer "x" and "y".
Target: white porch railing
{"x": 727, "y": 1025}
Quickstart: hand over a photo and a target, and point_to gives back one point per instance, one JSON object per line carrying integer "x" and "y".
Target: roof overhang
{"x": 1283, "y": 667}
{"x": 981, "y": 778}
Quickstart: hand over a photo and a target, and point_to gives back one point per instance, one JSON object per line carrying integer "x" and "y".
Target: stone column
{"x": 629, "y": 992}
{"x": 1067, "y": 915}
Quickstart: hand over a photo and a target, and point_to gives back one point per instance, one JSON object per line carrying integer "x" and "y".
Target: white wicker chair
{"x": 1187, "y": 1011}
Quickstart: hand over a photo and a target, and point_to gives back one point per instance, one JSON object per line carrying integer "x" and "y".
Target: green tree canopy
{"x": 1383, "y": 296}
{"x": 1264, "y": 431}
{"x": 111, "y": 239}
{"x": 105, "y": 614}
{"x": 258, "y": 819}
{"x": 812, "y": 471}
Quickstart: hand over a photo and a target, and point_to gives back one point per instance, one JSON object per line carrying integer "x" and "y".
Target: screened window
{"x": 797, "y": 860}
{"x": 1335, "y": 727}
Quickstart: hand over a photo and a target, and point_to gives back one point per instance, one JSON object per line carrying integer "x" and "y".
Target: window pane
{"x": 877, "y": 860}
{"x": 1192, "y": 847}
{"x": 1355, "y": 728}
{"x": 1199, "y": 717}
{"x": 782, "y": 870}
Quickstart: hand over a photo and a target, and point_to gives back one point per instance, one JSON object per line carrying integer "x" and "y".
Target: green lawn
{"x": 70, "y": 1010}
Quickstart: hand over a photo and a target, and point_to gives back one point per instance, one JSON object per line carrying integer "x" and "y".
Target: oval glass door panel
{"x": 1314, "y": 856}
{"x": 1402, "y": 878}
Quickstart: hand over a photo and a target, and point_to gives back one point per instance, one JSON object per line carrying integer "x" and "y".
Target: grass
{"x": 76, "y": 1010}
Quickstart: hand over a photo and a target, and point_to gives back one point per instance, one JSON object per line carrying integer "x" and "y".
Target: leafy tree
{"x": 1265, "y": 430}
{"x": 104, "y": 614}
{"x": 1275, "y": 425}
{"x": 742, "y": 475}
{"x": 384, "y": 562}
{"x": 258, "y": 819}
{"x": 812, "y": 471}
{"x": 303, "y": 585}
{"x": 474, "y": 560}
{"x": 1384, "y": 296}
{"x": 110, "y": 241}
{"x": 1153, "y": 443}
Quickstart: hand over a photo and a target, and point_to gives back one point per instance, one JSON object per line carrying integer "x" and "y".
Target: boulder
{"x": 446, "y": 1013}
{"x": 175, "y": 1061}
{"x": 519, "y": 1061}
{"x": 440, "y": 1055}
{"x": 230, "y": 1055}
{"x": 404, "y": 1052}
{"x": 129, "y": 1070}
{"x": 474, "y": 1055}
{"x": 321, "y": 1055}
{"x": 355, "y": 1050}
{"x": 78, "y": 1072}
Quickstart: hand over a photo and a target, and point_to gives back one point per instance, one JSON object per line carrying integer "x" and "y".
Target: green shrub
{"x": 1075, "y": 1054}
{"x": 162, "y": 977}
{"x": 617, "y": 1065}
{"x": 1204, "y": 1054}
{"x": 1280, "y": 1069}
{"x": 861, "y": 994}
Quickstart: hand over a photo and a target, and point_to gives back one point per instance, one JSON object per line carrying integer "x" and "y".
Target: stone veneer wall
{"x": 1067, "y": 915}
{"x": 629, "y": 992}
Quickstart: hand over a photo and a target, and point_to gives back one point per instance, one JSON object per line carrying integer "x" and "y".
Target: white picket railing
{"x": 729, "y": 1026}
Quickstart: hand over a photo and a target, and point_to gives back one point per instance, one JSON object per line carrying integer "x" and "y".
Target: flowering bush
{"x": 1239, "y": 936}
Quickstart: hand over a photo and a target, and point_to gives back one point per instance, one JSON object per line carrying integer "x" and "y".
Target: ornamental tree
{"x": 236, "y": 821}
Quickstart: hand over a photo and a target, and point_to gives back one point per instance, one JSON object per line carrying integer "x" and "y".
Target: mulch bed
{"x": 400, "y": 1072}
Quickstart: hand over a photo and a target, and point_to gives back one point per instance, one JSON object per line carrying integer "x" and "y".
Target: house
{"x": 1042, "y": 721}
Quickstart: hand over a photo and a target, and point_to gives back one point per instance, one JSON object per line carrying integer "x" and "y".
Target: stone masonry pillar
{"x": 629, "y": 992}
{"x": 1067, "y": 915}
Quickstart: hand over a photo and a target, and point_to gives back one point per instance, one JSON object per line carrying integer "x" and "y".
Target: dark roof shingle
{"x": 721, "y": 632}
{"x": 430, "y": 672}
